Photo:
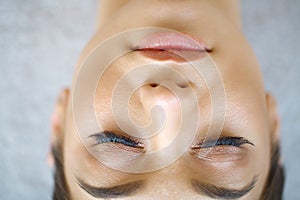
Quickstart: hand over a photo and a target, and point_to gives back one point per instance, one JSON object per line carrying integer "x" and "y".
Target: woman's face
{"x": 234, "y": 169}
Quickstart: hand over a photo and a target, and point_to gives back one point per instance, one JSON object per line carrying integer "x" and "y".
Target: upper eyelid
{"x": 233, "y": 141}
{"x": 223, "y": 141}
{"x": 117, "y": 138}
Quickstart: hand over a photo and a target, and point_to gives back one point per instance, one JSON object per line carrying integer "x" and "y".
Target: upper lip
{"x": 172, "y": 41}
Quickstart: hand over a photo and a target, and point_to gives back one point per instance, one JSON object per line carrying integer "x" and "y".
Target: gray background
{"x": 39, "y": 44}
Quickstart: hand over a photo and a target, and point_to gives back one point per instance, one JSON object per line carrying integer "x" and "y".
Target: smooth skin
{"x": 251, "y": 113}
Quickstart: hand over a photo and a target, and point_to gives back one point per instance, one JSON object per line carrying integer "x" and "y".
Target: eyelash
{"x": 108, "y": 136}
{"x": 224, "y": 141}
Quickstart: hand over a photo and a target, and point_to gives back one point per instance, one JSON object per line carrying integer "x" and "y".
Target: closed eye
{"x": 224, "y": 141}
{"x": 225, "y": 149}
{"x": 111, "y": 137}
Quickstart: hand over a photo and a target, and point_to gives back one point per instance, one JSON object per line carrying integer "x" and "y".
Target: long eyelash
{"x": 226, "y": 141}
{"x": 108, "y": 136}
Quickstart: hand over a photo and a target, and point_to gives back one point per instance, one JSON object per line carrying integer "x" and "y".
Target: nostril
{"x": 153, "y": 84}
{"x": 182, "y": 85}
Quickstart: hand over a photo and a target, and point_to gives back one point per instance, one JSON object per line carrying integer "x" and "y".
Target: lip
{"x": 172, "y": 46}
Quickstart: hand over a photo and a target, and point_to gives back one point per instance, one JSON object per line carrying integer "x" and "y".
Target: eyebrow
{"x": 110, "y": 192}
{"x": 202, "y": 188}
{"x": 216, "y": 192}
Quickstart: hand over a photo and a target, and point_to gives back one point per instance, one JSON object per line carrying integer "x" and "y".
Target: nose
{"x": 167, "y": 99}
{"x": 168, "y": 132}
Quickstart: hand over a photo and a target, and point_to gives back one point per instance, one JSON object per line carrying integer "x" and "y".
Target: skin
{"x": 250, "y": 111}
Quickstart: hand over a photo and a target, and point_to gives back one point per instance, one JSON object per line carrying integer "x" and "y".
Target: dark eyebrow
{"x": 110, "y": 192}
{"x": 220, "y": 192}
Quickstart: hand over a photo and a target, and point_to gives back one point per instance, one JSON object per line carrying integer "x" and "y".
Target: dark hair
{"x": 272, "y": 191}
{"x": 61, "y": 189}
{"x": 275, "y": 182}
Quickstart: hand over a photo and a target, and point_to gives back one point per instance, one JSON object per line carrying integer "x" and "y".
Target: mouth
{"x": 172, "y": 46}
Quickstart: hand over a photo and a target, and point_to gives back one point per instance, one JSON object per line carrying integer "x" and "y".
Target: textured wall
{"x": 273, "y": 29}
{"x": 39, "y": 45}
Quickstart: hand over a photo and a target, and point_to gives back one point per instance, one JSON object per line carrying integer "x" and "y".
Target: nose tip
{"x": 162, "y": 91}
{"x": 156, "y": 94}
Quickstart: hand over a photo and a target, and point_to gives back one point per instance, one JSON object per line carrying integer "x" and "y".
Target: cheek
{"x": 249, "y": 119}
{"x": 80, "y": 163}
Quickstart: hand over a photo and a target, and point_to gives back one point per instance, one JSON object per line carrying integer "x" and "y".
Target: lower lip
{"x": 172, "y": 46}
